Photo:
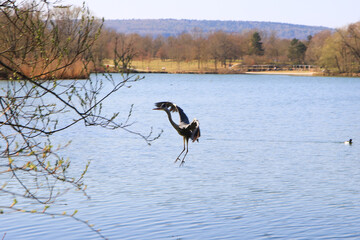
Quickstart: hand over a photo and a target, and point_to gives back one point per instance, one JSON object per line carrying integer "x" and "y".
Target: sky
{"x": 328, "y": 13}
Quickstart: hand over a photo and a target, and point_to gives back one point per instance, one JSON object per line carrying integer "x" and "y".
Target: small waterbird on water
{"x": 185, "y": 128}
{"x": 349, "y": 142}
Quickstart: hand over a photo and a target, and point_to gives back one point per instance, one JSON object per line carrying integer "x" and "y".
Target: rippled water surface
{"x": 270, "y": 164}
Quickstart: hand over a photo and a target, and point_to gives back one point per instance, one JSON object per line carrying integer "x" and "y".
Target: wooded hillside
{"x": 173, "y": 27}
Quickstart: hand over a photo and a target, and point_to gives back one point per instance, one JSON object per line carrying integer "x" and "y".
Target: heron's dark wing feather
{"x": 194, "y": 127}
{"x": 183, "y": 117}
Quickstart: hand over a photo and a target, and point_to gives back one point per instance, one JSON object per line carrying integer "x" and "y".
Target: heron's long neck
{"x": 171, "y": 121}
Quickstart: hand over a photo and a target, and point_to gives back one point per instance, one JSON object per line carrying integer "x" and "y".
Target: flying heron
{"x": 185, "y": 128}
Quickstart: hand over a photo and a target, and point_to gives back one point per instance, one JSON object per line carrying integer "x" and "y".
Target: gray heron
{"x": 185, "y": 129}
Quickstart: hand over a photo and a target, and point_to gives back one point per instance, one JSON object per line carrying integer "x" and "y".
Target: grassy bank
{"x": 171, "y": 66}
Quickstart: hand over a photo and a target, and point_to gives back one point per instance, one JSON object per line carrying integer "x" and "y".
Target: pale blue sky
{"x": 329, "y": 13}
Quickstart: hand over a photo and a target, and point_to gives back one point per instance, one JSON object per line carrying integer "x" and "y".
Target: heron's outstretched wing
{"x": 194, "y": 127}
{"x": 174, "y": 108}
{"x": 183, "y": 117}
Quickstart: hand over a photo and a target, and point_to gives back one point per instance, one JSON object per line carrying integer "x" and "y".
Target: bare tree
{"x": 337, "y": 56}
{"x": 222, "y": 48}
{"x": 351, "y": 39}
{"x": 199, "y": 46}
{"x": 313, "y": 53}
{"x": 40, "y": 45}
{"x": 124, "y": 52}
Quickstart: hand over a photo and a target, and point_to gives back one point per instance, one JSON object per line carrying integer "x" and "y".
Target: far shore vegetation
{"x": 326, "y": 53}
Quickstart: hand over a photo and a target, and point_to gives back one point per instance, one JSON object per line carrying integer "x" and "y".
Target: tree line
{"x": 333, "y": 51}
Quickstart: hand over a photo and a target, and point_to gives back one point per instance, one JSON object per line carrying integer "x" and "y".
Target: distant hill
{"x": 173, "y": 27}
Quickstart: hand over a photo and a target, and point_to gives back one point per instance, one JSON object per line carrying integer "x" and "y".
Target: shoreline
{"x": 289, "y": 73}
{"x": 285, "y": 73}
{"x": 293, "y": 73}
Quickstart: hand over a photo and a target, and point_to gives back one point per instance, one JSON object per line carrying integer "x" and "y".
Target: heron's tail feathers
{"x": 195, "y": 133}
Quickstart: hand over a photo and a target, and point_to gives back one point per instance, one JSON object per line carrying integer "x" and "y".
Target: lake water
{"x": 270, "y": 164}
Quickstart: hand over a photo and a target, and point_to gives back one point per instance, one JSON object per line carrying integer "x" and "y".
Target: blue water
{"x": 270, "y": 164}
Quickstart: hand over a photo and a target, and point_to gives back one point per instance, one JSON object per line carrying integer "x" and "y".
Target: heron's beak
{"x": 157, "y": 108}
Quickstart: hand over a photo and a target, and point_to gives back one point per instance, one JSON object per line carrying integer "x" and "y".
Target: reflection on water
{"x": 271, "y": 163}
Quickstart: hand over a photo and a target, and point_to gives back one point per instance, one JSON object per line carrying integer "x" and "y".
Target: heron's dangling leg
{"x": 178, "y": 158}
{"x": 187, "y": 150}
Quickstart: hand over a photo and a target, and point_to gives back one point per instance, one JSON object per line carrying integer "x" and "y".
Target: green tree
{"x": 331, "y": 54}
{"x": 296, "y": 51}
{"x": 336, "y": 56}
{"x": 256, "y": 46}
